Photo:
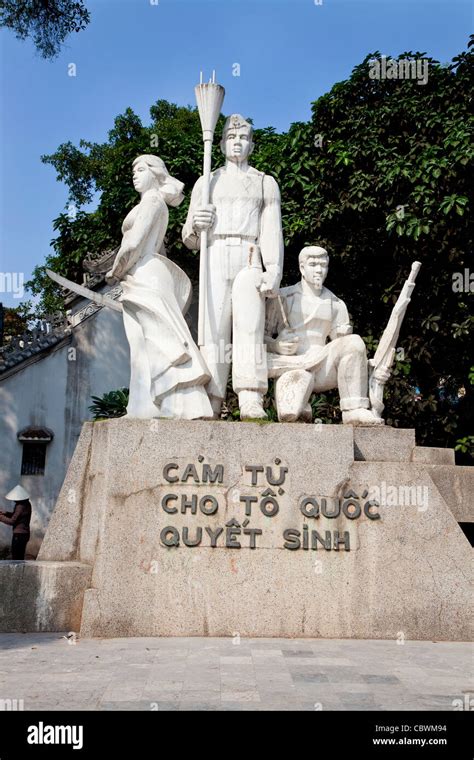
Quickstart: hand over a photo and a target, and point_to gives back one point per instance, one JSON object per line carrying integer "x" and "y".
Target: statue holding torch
{"x": 234, "y": 218}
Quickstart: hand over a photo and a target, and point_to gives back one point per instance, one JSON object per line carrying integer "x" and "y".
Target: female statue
{"x": 168, "y": 373}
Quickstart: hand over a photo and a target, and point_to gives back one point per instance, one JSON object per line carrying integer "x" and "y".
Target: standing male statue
{"x": 299, "y": 323}
{"x": 244, "y": 223}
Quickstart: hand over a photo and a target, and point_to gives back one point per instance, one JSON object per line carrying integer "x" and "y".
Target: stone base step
{"x": 42, "y": 596}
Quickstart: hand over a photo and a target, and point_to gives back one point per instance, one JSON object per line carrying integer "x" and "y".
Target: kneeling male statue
{"x": 299, "y": 323}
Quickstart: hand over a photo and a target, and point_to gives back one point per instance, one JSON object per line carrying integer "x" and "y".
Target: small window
{"x": 34, "y": 441}
{"x": 34, "y": 458}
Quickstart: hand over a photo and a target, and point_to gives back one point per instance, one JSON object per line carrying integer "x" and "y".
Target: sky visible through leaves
{"x": 133, "y": 53}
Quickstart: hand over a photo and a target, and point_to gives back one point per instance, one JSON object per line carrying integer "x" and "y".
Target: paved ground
{"x": 48, "y": 673}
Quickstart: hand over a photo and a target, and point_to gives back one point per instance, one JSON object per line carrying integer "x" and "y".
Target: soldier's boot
{"x": 361, "y": 417}
{"x": 251, "y": 405}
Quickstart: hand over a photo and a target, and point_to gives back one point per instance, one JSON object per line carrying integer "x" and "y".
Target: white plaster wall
{"x": 55, "y": 392}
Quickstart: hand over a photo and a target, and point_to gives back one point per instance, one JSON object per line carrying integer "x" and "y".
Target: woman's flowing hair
{"x": 170, "y": 188}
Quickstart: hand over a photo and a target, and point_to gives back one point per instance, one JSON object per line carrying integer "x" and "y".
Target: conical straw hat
{"x": 17, "y": 494}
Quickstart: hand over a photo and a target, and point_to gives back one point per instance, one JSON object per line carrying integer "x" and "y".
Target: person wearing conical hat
{"x": 19, "y": 520}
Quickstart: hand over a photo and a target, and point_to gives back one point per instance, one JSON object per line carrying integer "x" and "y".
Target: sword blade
{"x": 81, "y": 290}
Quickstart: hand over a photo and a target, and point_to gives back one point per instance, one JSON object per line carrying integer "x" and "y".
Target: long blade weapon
{"x": 81, "y": 290}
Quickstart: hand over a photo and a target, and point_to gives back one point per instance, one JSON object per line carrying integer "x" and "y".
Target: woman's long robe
{"x": 167, "y": 370}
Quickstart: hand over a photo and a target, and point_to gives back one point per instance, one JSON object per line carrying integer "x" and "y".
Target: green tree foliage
{"x": 17, "y": 320}
{"x": 174, "y": 134}
{"x": 379, "y": 175}
{"x": 47, "y": 22}
{"x": 390, "y": 184}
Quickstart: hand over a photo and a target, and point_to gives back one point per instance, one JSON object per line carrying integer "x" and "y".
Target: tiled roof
{"x": 35, "y": 434}
{"x": 46, "y": 334}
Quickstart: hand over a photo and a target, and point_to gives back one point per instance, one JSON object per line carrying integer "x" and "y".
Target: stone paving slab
{"x": 211, "y": 674}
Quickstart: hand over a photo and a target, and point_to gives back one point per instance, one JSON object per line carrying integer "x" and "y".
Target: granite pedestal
{"x": 222, "y": 529}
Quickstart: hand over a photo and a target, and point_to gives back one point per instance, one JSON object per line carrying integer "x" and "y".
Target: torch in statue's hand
{"x": 204, "y": 217}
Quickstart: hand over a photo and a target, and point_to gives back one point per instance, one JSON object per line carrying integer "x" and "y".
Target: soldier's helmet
{"x": 236, "y": 121}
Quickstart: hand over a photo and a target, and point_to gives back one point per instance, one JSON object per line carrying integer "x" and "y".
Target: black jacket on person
{"x": 19, "y": 518}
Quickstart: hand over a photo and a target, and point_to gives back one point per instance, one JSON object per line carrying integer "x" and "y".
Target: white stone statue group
{"x": 300, "y": 335}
